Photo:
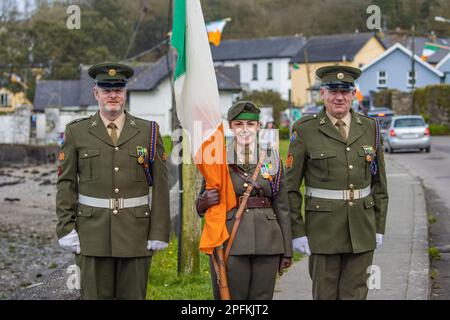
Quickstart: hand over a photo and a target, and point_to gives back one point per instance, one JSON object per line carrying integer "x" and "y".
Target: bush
{"x": 439, "y": 129}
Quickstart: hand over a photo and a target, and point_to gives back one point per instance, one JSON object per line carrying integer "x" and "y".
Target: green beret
{"x": 338, "y": 76}
{"x": 243, "y": 110}
{"x": 109, "y": 75}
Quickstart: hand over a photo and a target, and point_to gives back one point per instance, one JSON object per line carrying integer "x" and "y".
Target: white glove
{"x": 71, "y": 242}
{"x": 301, "y": 245}
{"x": 379, "y": 240}
{"x": 156, "y": 245}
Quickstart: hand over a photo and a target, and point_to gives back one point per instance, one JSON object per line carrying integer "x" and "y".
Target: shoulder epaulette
{"x": 78, "y": 120}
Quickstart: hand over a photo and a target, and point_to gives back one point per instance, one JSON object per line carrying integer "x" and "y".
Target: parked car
{"x": 384, "y": 115}
{"x": 407, "y": 132}
{"x": 311, "y": 110}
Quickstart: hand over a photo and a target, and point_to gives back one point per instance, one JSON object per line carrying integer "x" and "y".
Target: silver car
{"x": 407, "y": 132}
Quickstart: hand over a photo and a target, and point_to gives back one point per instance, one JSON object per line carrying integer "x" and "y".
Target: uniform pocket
{"x": 365, "y": 173}
{"x": 88, "y": 164}
{"x": 142, "y": 212}
{"x": 84, "y": 211}
{"x": 318, "y": 205}
{"x": 270, "y": 215}
{"x": 137, "y": 169}
{"x": 318, "y": 162}
{"x": 369, "y": 202}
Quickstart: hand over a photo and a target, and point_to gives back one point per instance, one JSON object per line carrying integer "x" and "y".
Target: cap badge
{"x": 340, "y": 76}
{"x": 112, "y": 72}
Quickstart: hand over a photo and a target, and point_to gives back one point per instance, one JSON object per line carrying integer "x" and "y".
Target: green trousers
{"x": 340, "y": 276}
{"x": 107, "y": 278}
{"x": 249, "y": 277}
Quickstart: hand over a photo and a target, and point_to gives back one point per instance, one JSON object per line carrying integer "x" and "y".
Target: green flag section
{"x": 179, "y": 36}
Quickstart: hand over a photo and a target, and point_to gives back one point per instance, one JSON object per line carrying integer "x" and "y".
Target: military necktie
{"x": 113, "y": 135}
{"x": 340, "y": 124}
{"x": 246, "y": 158}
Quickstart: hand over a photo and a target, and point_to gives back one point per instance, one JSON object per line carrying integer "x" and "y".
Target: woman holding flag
{"x": 261, "y": 246}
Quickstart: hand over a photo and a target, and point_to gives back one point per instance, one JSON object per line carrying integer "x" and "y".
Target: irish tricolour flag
{"x": 428, "y": 50}
{"x": 197, "y": 100}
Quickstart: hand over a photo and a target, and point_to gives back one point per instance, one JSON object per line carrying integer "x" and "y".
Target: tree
{"x": 268, "y": 98}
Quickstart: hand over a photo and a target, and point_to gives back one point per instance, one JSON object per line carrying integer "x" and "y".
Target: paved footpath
{"x": 403, "y": 257}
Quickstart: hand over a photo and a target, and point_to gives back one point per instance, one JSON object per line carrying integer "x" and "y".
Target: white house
{"x": 149, "y": 94}
{"x": 263, "y": 63}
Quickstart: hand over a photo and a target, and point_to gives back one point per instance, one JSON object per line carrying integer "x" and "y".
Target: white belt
{"x": 119, "y": 203}
{"x": 338, "y": 194}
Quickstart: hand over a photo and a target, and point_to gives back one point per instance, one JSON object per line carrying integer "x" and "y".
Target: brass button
{"x": 245, "y": 185}
{"x": 79, "y": 213}
{"x": 116, "y": 148}
{"x": 371, "y": 202}
{"x": 350, "y": 167}
{"x": 116, "y": 190}
{"x": 350, "y": 204}
{"x": 317, "y": 207}
{"x": 321, "y": 154}
{"x": 146, "y": 213}
{"x": 85, "y": 154}
{"x": 351, "y": 186}
{"x": 348, "y": 149}
{"x": 245, "y": 174}
{"x": 246, "y": 210}
{"x": 116, "y": 169}
{"x": 115, "y": 212}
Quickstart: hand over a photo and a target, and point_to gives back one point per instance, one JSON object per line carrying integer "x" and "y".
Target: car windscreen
{"x": 409, "y": 122}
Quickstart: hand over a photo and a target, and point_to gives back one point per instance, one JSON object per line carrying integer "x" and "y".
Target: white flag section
{"x": 197, "y": 96}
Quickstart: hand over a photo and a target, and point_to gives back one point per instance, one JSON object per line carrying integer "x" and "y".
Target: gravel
{"x": 29, "y": 249}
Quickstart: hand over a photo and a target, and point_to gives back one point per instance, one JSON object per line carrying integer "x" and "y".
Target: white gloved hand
{"x": 379, "y": 240}
{"x": 156, "y": 245}
{"x": 70, "y": 242}
{"x": 301, "y": 245}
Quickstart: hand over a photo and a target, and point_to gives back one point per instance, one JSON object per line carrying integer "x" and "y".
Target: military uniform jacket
{"x": 92, "y": 166}
{"x": 324, "y": 160}
{"x": 262, "y": 231}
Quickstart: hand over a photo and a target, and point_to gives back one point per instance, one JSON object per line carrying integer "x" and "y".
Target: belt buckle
{"x": 349, "y": 194}
{"x": 116, "y": 204}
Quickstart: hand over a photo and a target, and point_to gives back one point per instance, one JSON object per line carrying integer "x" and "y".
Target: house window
{"x": 4, "y": 100}
{"x": 269, "y": 71}
{"x": 255, "y": 71}
{"x": 411, "y": 80}
{"x": 382, "y": 79}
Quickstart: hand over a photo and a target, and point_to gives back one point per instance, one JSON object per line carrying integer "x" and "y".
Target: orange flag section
{"x": 217, "y": 176}
{"x": 214, "y": 37}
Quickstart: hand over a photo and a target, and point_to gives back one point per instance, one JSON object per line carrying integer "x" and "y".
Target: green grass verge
{"x": 165, "y": 283}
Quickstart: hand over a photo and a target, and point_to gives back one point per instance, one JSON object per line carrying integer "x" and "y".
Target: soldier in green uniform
{"x": 106, "y": 214}
{"x": 339, "y": 155}
{"x": 263, "y": 243}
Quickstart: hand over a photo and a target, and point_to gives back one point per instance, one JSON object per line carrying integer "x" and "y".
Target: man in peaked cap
{"x": 339, "y": 155}
{"x": 107, "y": 163}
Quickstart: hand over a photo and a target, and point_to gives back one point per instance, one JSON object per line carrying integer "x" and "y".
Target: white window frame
{"x": 254, "y": 72}
{"x": 379, "y": 78}
{"x": 409, "y": 78}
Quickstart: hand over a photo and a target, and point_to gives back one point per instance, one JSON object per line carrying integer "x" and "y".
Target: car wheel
{"x": 427, "y": 150}
{"x": 389, "y": 149}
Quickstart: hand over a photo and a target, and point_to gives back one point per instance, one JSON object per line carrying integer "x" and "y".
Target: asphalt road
{"x": 433, "y": 169}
